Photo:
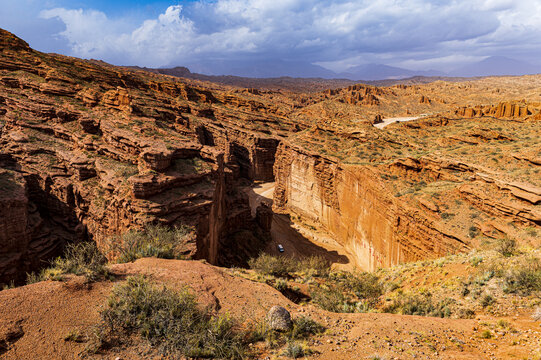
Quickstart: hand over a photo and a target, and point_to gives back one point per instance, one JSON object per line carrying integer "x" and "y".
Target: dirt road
{"x": 389, "y": 121}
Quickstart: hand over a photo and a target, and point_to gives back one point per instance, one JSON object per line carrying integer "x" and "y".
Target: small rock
{"x": 278, "y": 318}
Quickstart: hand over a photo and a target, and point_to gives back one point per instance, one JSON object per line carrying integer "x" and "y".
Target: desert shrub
{"x": 280, "y": 285}
{"x": 507, "y": 247}
{"x": 487, "y": 300}
{"x": 10, "y": 285}
{"x": 364, "y": 285}
{"x": 281, "y": 266}
{"x": 473, "y": 231}
{"x": 74, "y": 336}
{"x": 304, "y": 326}
{"x": 350, "y": 293}
{"x": 316, "y": 265}
{"x": 524, "y": 278}
{"x": 155, "y": 241}
{"x": 171, "y": 321}
{"x": 486, "y": 334}
{"x": 422, "y": 305}
{"x": 295, "y": 350}
{"x": 333, "y": 299}
{"x": 475, "y": 261}
{"x": 465, "y": 313}
{"x": 447, "y": 216}
{"x": 474, "y": 287}
{"x": 80, "y": 259}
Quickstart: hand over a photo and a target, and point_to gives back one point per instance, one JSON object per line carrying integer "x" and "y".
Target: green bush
{"x": 486, "y": 334}
{"x": 281, "y": 285}
{"x": 525, "y": 278}
{"x": 422, "y": 305}
{"x": 487, "y": 300}
{"x": 364, "y": 285}
{"x": 155, "y": 241}
{"x": 283, "y": 266}
{"x": 295, "y": 350}
{"x": 304, "y": 326}
{"x": 507, "y": 247}
{"x": 351, "y": 293}
{"x": 171, "y": 321}
{"x": 80, "y": 259}
{"x": 315, "y": 265}
{"x": 280, "y": 266}
{"x": 332, "y": 299}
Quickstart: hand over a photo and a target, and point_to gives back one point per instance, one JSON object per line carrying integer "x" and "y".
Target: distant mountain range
{"x": 262, "y": 69}
{"x": 381, "y": 72}
{"x": 497, "y": 65}
{"x": 494, "y": 65}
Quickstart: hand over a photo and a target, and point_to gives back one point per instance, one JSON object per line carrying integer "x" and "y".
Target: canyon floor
{"x": 423, "y": 197}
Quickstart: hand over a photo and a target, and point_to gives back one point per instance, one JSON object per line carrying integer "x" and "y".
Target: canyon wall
{"x": 99, "y": 151}
{"x": 253, "y": 154}
{"x": 505, "y": 110}
{"x": 353, "y": 206}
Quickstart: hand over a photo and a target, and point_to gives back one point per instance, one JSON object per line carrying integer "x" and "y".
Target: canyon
{"x": 417, "y": 184}
{"x": 90, "y": 151}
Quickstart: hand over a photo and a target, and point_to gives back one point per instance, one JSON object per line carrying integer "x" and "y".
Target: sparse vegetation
{"x": 524, "y": 278}
{"x": 295, "y": 350}
{"x": 507, "y": 247}
{"x": 303, "y": 328}
{"x": 347, "y": 292}
{"x": 421, "y": 304}
{"x": 486, "y": 334}
{"x": 332, "y": 299}
{"x": 280, "y": 266}
{"x": 284, "y": 266}
{"x": 487, "y": 300}
{"x": 170, "y": 320}
{"x": 154, "y": 241}
{"x": 80, "y": 259}
{"x": 74, "y": 336}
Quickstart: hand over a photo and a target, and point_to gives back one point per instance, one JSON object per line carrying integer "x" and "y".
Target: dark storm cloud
{"x": 335, "y": 33}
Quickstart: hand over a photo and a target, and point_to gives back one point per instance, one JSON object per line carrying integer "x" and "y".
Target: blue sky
{"x": 337, "y": 34}
{"x": 115, "y": 8}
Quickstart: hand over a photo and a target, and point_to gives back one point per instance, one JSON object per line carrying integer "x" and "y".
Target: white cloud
{"x": 328, "y": 32}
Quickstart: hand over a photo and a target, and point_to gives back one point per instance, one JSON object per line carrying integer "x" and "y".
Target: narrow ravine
{"x": 298, "y": 240}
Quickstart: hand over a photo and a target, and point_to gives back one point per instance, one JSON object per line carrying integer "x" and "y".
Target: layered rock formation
{"x": 96, "y": 150}
{"x": 353, "y": 205}
{"x": 506, "y": 110}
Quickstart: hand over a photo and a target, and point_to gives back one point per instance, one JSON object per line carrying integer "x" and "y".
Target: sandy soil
{"x": 35, "y": 319}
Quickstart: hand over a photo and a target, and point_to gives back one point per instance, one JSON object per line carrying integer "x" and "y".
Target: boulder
{"x": 278, "y": 318}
